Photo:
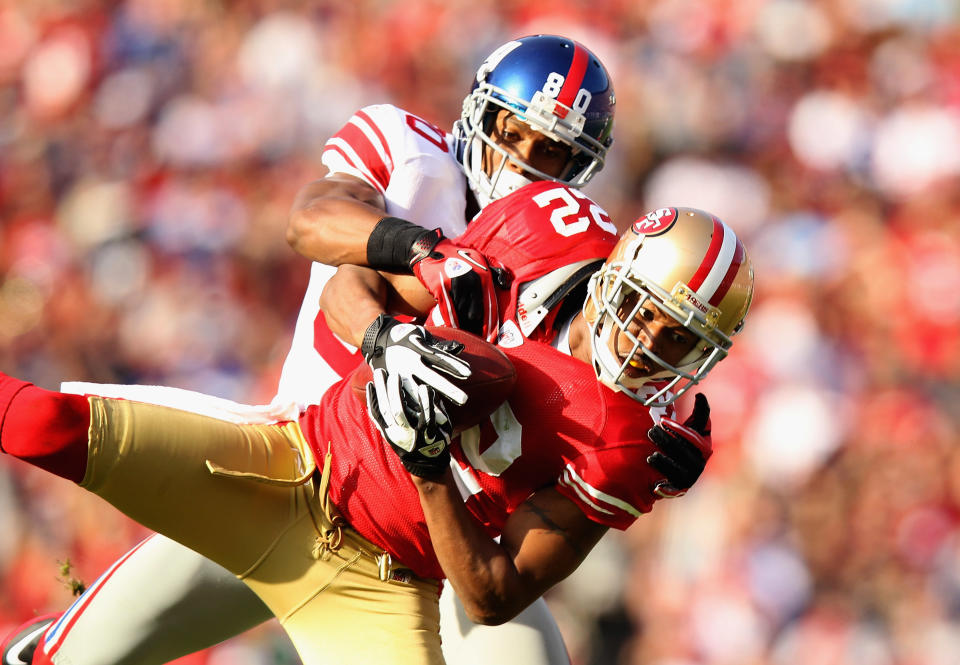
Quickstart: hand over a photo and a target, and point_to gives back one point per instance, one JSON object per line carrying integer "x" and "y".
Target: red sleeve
{"x": 613, "y": 485}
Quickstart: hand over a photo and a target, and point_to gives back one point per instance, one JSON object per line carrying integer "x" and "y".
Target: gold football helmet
{"x": 692, "y": 267}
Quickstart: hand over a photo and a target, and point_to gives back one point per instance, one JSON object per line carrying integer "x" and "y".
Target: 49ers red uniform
{"x": 559, "y": 427}
{"x": 542, "y": 229}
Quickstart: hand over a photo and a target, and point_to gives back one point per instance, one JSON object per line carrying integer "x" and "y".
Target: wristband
{"x": 391, "y": 242}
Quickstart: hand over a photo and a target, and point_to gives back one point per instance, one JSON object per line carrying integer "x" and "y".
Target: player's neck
{"x": 473, "y": 208}
{"x": 580, "y": 339}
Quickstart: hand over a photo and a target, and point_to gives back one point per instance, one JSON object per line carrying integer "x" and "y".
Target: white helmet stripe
{"x": 710, "y": 277}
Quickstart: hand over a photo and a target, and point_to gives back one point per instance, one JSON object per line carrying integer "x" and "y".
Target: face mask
{"x": 503, "y": 182}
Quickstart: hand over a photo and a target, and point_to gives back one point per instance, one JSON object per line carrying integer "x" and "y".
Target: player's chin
{"x": 636, "y": 371}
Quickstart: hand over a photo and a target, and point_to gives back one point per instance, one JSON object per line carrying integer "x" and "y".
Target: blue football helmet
{"x": 558, "y": 88}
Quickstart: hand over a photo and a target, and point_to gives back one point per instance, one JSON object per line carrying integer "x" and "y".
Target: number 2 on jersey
{"x": 571, "y": 217}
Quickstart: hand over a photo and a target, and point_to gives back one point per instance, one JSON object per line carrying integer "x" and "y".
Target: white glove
{"x": 411, "y": 352}
{"x": 413, "y": 420}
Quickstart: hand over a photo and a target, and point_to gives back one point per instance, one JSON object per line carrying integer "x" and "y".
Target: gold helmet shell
{"x": 694, "y": 268}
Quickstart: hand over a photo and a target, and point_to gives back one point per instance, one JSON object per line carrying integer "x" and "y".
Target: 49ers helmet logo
{"x": 656, "y": 222}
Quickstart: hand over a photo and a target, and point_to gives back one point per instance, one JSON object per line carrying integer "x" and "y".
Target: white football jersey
{"x": 408, "y": 160}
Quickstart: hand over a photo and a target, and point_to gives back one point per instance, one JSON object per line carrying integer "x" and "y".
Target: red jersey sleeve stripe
{"x": 574, "y": 78}
{"x": 594, "y": 496}
{"x": 364, "y": 148}
{"x": 346, "y": 152}
{"x": 376, "y": 130}
{"x": 332, "y": 350}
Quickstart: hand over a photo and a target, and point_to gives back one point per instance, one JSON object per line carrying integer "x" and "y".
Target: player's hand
{"x": 413, "y": 419}
{"x": 682, "y": 450}
{"x": 462, "y": 282}
{"x": 411, "y": 352}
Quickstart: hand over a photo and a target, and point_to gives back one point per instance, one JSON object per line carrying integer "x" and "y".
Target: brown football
{"x": 488, "y": 386}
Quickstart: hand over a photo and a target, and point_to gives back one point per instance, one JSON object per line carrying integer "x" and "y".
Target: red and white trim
{"x": 590, "y": 495}
{"x": 364, "y": 147}
{"x": 720, "y": 264}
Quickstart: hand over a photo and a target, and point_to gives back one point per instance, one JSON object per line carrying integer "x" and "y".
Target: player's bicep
{"x": 548, "y": 537}
{"x": 339, "y": 186}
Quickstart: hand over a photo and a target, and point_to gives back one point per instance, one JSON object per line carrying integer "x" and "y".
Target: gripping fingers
{"x": 672, "y": 446}
{"x": 376, "y": 404}
{"x": 395, "y": 426}
{"x": 394, "y": 392}
{"x": 425, "y": 412}
{"x": 441, "y": 384}
{"x": 441, "y": 355}
{"x": 664, "y": 465}
{"x": 452, "y": 365}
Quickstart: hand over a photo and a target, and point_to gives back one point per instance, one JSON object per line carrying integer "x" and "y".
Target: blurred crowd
{"x": 149, "y": 153}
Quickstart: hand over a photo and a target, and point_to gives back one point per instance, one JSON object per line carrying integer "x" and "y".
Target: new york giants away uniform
{"x": 409, "y": 161}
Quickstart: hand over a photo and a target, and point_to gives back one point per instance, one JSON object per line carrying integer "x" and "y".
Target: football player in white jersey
{"x": 541, "y": 109}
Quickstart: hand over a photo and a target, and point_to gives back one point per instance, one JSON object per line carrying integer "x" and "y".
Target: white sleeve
{"x": 408, "y": 160}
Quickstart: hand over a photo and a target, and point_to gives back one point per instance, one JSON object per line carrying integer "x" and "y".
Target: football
{"x": 489, "y": 384}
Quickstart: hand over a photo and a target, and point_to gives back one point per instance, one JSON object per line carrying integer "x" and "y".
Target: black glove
{"x": 411, "y": 352}
{"x": 413, "y": 419}
{"x": 682, "y": 450}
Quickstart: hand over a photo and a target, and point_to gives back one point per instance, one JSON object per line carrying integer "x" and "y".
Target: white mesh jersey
{"x": 410, "y": 162}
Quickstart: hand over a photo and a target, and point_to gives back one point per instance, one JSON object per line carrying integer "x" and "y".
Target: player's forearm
{"x": 331, "y": 220}
{"x": 481, "y": 570}
{"x": 351, "y": 300}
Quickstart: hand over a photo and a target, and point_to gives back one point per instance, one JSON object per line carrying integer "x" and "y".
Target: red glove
{"x": 462, "y": 282}
{"x": 682, "y": 450}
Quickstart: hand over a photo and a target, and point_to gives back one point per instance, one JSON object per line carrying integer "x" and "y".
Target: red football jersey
{"x": 540, "y": 228}
{"x": 559, "y": 427}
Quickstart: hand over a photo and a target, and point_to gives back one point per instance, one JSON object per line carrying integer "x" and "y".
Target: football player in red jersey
{"x": 401, "y": 174}
{"x": 329, "y": 552}
{"x": 387, "y": 160}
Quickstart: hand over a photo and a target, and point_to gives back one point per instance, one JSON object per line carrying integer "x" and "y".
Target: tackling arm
{"x": 332, "y": 218}
{"x": 340, "y": 220}
{"x": 543, "y": 541}
{"x": 356, "y": 295}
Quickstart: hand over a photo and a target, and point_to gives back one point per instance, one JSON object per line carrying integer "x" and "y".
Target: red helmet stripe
{"x": 720, "y": 264}
{"x": 574, "y": 78}
{"x": 713, "y": 251}
{"x": 727, "y": 280}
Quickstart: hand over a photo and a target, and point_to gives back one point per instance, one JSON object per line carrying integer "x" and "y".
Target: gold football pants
{"x": 250, "y": 498}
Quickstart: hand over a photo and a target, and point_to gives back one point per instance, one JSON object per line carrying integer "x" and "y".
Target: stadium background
{"x": 150, "y": 149}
